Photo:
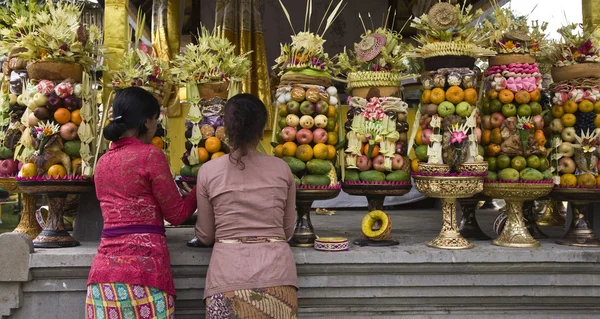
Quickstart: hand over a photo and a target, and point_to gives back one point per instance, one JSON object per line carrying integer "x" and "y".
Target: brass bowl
{"x": 448, "y": 186}
{"x": 437, "y": 169}
{"x": 475, "y": 168}
{"x": 517, "y": 191}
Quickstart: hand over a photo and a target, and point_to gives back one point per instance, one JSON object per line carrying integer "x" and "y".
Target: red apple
{"x": 363, "y": 163}
{"x": 566, "y": 165}
{"x": 426, "y": 136}
{"x": 478, "y": 134}
{"x": 497, "y": 119}
{"x": 304, "y": 136}
{"x": 288, "y": 133}
{"x": 320, "y": 135}
{"x": 397, "y": 162}
{"x": 9, "y": 167}
{"x": 378, "y": 163}
{"x": 68, "y": 131}
{"x": 538, "y": 122}
{"x": 486, "y": 122}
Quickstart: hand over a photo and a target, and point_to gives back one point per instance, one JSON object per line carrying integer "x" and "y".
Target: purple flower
{"x": 458, "y": 137}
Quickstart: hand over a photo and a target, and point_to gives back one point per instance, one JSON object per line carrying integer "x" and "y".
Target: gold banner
{"x": 116, "y": 37}
{"x": 591, "y": 12}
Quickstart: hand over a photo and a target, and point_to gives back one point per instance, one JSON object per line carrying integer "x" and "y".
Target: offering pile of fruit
{"x": 309, "y": 131}
{"x": 10, "y": 113}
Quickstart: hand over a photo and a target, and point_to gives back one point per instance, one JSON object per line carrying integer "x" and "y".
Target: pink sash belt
{"x": 132, "y": 229}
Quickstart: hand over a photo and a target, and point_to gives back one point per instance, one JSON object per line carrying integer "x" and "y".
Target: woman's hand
{"x": 185, "y": 189}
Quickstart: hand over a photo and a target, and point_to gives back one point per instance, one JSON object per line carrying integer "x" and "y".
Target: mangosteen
{"x": 392, "y": 115}
{"x": 218, "y": 121}
{"x": 401, "y": 127}
{"x": 188, "y": 146}
{"x": 72, "y": 102}
{"x": 54, "y": 102}
{"x": 202, "y": 142}
{"x": 42, "y": 113}
{"x": 225, "y": 148}
{"x": 188, "y": 133}
{"x": 160, "y": 131}
{"x": 184, "y": 158}
{"x": 350, "y": 115}
{"x": 401, "y": 148}
{"x": 356, "y": 111}
{"x": 348, "y": 125}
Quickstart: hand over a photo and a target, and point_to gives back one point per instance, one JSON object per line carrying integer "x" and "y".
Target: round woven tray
{"x": 215, "y": 89}
{"x": 448, "y": 61}
{"x": 55, "y": 71}
{"x": 581, "y": 70}
{"x": 292, "y": 79}
{"x": 504, "y": 59}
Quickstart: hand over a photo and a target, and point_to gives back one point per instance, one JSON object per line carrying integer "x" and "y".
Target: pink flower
{"x": 458, "y": 137}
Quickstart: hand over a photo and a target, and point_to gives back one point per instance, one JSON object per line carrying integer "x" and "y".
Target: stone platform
{"x": 410, "y": 280}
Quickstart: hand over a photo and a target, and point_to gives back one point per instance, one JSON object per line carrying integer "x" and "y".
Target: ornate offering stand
{"x": 532, "y": 226}
{"x": 304, "y": 232}
{"x": 580, "y": 233}
{"x": 28, "y": 224}
{"x": 468, "y": 227}
{"x": 449, "y": 188}
{"x": 515, "y": 233}
{"x": 551, "y": 215}
{"x": 54, "y": 234}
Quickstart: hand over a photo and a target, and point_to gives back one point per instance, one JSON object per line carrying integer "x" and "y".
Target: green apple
{"x": 536, "y": 108}
{"x": 446, "y": 108}
{"x": 282, "y": 123}
{"x": 464, "y": 109}
{"x": 519, "y": 163}
{"x": 495, "y": 106}
{"x": 509, "y": 110}
{"x": 72, "y": 148}
{"x": 533, "y": 161}
{"x": 492, "y": 164}
{"x": 524, "y": 110}
{"x": 421, "y": 152}
{"x": 503, "y": 161}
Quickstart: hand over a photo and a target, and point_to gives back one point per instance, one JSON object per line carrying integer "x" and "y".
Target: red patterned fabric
{"x": 135, "y": 187}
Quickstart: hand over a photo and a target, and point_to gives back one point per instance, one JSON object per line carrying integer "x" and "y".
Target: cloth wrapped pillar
{"x": 116, "y": 37}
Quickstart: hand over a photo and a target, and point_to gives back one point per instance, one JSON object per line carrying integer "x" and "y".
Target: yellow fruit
{"x": 75, "y": 164}
{"x": 304, "y": 152}
{"x": 414, "y": 165}
{"x": 418, "y": 139}
{"x": 331, "y": 152}
{"x": 437, "y": 96}
{"x": 568, "y": 119}
{"x": 212, "y": 144}
{"x": 28, "y": 170}
{"x": 289, "y": 149}
{"x": 455, "y": 94}
{"x": 158, "y": 142}
{"x": 586, "y": 106}
{"x": 203, "y": 154}
{"x": 586, "y": 180}
{"x": 571, "y": 106}
{"x": 568, "y": 180}
{"x": 597, "y": 121}
{"x": 331, "y": 111}
{"x": 278, "y": 151}
{"x": 57, "y": 170}
{"x": 217, "y": 155}
{"x": 426, "y": 96}
{"x": 320, "y": 151}
{"x": 332, "y": 138}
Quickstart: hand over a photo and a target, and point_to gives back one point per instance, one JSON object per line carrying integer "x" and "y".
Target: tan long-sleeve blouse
{"x": 258, "y": 200}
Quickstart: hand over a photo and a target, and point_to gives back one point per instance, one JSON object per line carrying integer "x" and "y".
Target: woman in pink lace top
{"x": 131, "y": 274}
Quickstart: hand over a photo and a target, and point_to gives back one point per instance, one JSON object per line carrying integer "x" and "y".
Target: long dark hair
{"x": 131, "y": 108}
{"x": 245, "y": 119}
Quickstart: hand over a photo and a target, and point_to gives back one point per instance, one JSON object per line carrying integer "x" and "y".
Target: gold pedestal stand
{"x": 551, "y": 215}
{"x": 515, "y": 233}
{"x": 468, "y": 226}
{"x": 28, "y": 224}
{"x": 448, "y": 189}
{"x": 580, "y": 233}
{"x": 304, "y": 232}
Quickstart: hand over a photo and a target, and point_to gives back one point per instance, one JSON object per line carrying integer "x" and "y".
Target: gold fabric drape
{"x": 242, "y": 25}
{"x": 590, "y": 10}
{"x": 165, "y": 41}
{"x": 116, "y": 37}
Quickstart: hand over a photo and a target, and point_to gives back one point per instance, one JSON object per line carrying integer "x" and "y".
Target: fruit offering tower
{"x": 576, "y": 107}
{"x": 211, "y": 71}
{"x": 307, "y": 128}
{"x": 447, "y": 122}
{"x": 513, "y": 123}
{"x": 376, "y": 126}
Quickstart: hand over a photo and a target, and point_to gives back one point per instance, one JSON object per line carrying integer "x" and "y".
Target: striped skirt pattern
{"x": 126, "y": 301}
{"x": 279, "y": 302}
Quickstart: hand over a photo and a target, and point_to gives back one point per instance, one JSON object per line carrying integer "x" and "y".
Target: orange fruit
{"x": 568, "y": 119}
{"x": 331, "y": 152}
{"x": 506, "y": 96}
{"x": 62, "y": 115}
{"x": 212, "y": 144}
{"x": 217, "y": 155}
{"x": 414, "y": 165}
{"x": 278, "y": 151}
{"x": 496, "y": 136}
{"x": 586, "y": 180}
{"x": 597, "y": 121}
{"x": 375, "y": 151}
{"x": 471, "y": 96}
{"x": 418, "y": 139}
{"x": 486, "y": 137}
{"x": 522, "y": 97}
{"x": 540, "y": 137}
{"x": 571, "y": 106}
{"x": 57, "y": 170}
{"x": 568, "y": 180}
{"x": 320, "y": 151}
{"x": 455, "y": 94}
{"x": 203, "y": 154}
{"x": 557, "y": 111}
{"x": 493, "y": 150}
{"x": 76, "y": 117}
{"x": 492, "y": 94}
{"x": 597, "y": 107}
{"x": 331, "y": 111}
{"x": 426, "y": 97}
{"x": 304, "y": 152}
{"x": 437, "y": 96}
{"x": 535, "y": 95}
{"x": 289, "y": 149}
{"x": 28, "y": 170}
{"x": 76, "y": 163}
{"x": 332, "y": 138}
{"x": 586, "y": 106}
{"x": 158, "y": 142}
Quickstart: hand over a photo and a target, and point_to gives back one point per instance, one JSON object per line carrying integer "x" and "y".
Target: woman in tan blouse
{"x": 246, "y": 207}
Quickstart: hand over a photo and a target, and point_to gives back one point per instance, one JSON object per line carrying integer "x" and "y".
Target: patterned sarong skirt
{"x": 126, "y": 301}
{"x": 279, "y": 302}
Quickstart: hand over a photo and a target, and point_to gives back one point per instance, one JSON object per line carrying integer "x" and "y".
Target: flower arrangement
{"x": 447, "y": 30}
{"x": 17, "y": 20}
{"x": 213, "y": 59}
{"x": 579, "y": 44}
{"x": 43, "y": 132}
{"x": 55, "y": 34}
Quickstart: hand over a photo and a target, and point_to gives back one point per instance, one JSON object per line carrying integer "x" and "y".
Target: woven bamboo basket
{"x": 581, "y": 70}
{"x": 374, "y": 84}
{"x": 54, "y": 71}
{"x": 214, "y": 89}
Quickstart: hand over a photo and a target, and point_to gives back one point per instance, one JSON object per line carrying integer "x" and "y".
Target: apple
{"x": 524, "y": 110}
{"x": 566, "y": 165}
{"x": 509, "y": 110}
{"x": 536, "y": 108}
{"x": 538, "y": 122}
{"x": 293, "y": 107}
{"x": 9, "y": 167}
{"x": 304, "y": 136}
{"x": 292, "y": 120}
{"x": 22, "y": 100}
{"x": 478, "y": 134}
{"x": 68, "y": 131}
{"x": 288, "y": 133}
{"x": 307, "y": 108}
{"x": 40, "y": 99}
{"x": 320, "y": 135}
{"x": 12, "y": 99}
{"x": 42, "y": 113}
{"x": 426, "y": 136}
{"x": 424, "y": 121}
{"x": 363, "y": 163}
{"x": 446, "y": 108}
{"x": 497, "y": 119}
{"x": 32, "y": 121}
{"x": 486, "y": 122}
{"x": 566, "y": 149}
{"x": 464, "y": 109}
{"x": 322, "y": 107}
{"x": 568, "y": 134}
{"x": 321, "y": 121}
{"x": 53, "y": 102}
{"x": 556, "y": 126}
{"x": 73, "y": 148}
{"x": 397, "y": 162}
{"x": 429, "y": 109}
{"x": 307, "y": 121}
{"x": 378, "y": 163}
